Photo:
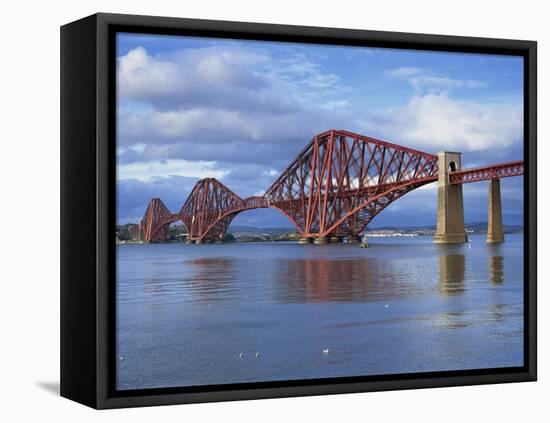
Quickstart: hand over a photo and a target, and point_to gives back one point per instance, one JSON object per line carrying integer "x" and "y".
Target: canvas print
{"x": 293, "y": 211}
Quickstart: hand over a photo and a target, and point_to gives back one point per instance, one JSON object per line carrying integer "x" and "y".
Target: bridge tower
{"x": 495, "y": 233}
{"x": 450, "y": 205}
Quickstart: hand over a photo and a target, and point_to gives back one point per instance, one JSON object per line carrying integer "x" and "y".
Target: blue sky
{"x": 240, "y": 111}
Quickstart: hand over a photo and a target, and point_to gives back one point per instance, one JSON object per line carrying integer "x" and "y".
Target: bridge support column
{"x": 450, "y": 205}
{"x": 304, "y": 240}
{"x": 353, "y": 239}
{"x": 495, "y": 232}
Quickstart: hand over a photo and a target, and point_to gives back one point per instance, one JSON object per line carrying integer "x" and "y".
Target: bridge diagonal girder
{"x": 341, "y": 180}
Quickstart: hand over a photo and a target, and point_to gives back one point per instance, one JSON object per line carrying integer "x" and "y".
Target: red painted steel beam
{"x": 485, "y": 173}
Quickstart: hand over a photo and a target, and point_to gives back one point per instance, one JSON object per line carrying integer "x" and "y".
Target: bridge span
{"x": 335, "y": 186}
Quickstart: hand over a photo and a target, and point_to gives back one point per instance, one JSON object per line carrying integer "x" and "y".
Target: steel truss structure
{"x": 211, "y": 207}
{"x": 337, "y": 184}
{"x": 502, "y": 170}
{"x": 341, "y": 180}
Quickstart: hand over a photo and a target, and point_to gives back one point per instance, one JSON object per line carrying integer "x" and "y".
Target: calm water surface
{"x": 246, "y": 312}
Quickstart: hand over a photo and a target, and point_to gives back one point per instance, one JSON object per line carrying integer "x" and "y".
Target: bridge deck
{"x": 485, "y": 173}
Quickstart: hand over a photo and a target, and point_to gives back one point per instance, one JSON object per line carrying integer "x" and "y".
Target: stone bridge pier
{"x": 450, "y": 208}
{"x": 495, "y": 231}
{"x": 450, "y": 204}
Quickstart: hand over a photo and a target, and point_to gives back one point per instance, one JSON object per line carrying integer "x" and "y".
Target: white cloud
{"x": 221, "y": 95}
{"x": 198, "y": 77}
{"x": 302, "y": 71}
{"x": 403, "y": 72}
{"x": 139, "y": 75}
{"x": 423, "y": 79}
{"x": 442, "y": 83}
{"x": 219, "y": 126}
{"x": 436, "y": 122}
{"x": 146, "y": 171}
{"x": 271, "y": 172}
{"x": 335, "y": 104}
{"x": 235, "y": 78}
{"x": 428, "y": 187}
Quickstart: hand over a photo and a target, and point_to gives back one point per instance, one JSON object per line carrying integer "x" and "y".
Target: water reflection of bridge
{"x": 453, "y": 272}
{"x": 319, "y": 280}
{"x": 323, "y": 279}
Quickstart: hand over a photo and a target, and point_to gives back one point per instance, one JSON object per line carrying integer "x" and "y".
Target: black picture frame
{"x": 88, "y": 103}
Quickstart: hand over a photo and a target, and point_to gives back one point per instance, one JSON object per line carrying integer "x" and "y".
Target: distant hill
{"x": 475, "y": 227}
{"x": 252, "y": 229}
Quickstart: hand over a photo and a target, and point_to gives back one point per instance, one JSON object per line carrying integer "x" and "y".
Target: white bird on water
{"x": 257, "y": 354}
{"x": 241, "y": 355}
{"x": 326, "y": 351}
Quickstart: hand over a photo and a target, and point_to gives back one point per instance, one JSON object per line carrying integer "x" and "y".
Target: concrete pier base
{"x": 450, "y": 204}
{"x": 495, "y": 231}
{"x": 353, "y": 239}
{"x": 219, "y": 241}
{"x": 199, "y": 241}
{"x": 459, "y": 238}
{"x": 304, "y": 240}
{"x": 321, "y": 240}
{"x": 335, "y": 239}
{"x": 190, "y": 241}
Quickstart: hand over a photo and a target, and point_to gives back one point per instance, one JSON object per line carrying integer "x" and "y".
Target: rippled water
{"x": 246, "y": 312}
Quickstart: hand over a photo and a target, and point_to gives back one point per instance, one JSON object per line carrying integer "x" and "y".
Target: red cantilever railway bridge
{"x": 337, "y": 184}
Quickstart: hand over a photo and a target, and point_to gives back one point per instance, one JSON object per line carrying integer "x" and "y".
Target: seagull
{"x": 121, "y": 358}
{"x": 325, "y": 351}
{"x": 386, "y": 306}
{"x": 241, "y": 355}
{"x": 257, "y": 354}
